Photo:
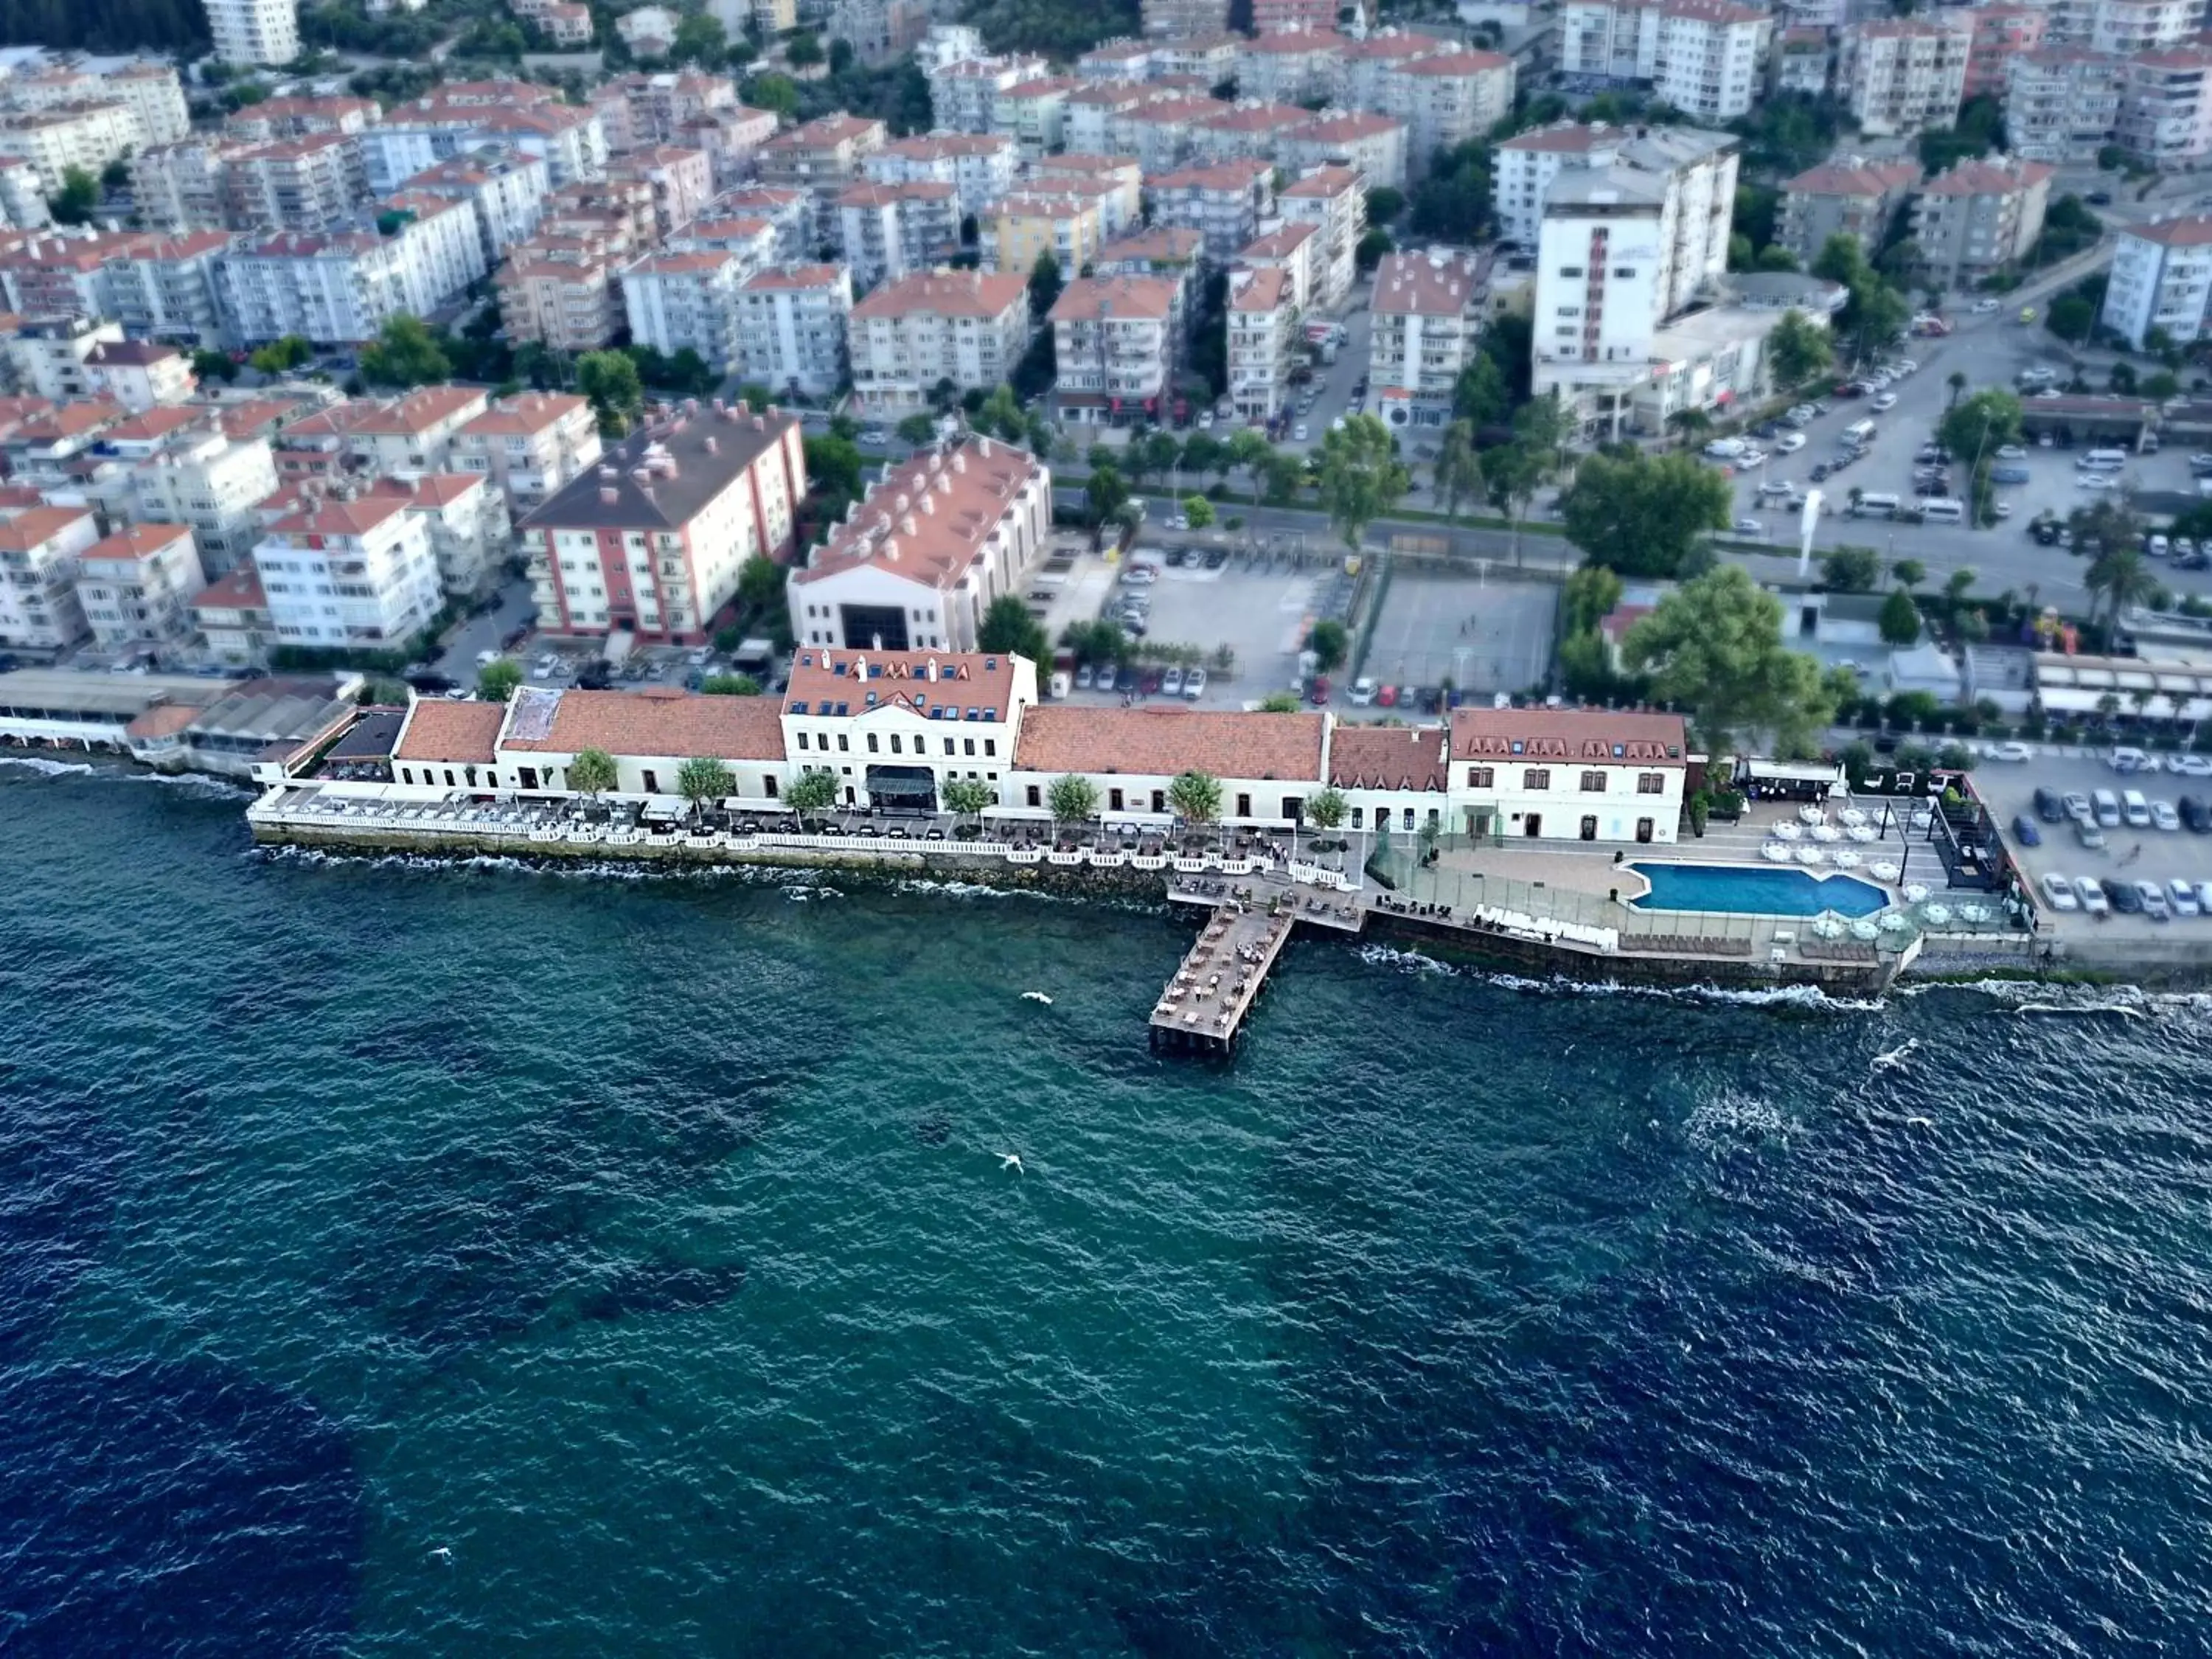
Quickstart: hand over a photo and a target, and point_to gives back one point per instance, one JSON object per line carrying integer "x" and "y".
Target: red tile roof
{"x": 660, "y": 722}
{"x": 1566, "y": 735}
{"x": 1390, "y": 757}
{"x": 1161, "y": 741}
{"x": 462, "y": 733}
{"x": 918, "y": 681}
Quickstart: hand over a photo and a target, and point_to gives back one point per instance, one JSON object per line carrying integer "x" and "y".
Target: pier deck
{"x": 1204, "y": 1006}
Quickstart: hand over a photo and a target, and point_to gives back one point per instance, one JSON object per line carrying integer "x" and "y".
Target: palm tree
{"x": 2120, "y": 574}
{"x": 1957, "y": 382}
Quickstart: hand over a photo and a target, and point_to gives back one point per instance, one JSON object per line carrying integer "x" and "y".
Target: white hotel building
{"x": 2161, "y": 278}
{"x": 1706, "y": 57}
{"x": 349, "y": 573}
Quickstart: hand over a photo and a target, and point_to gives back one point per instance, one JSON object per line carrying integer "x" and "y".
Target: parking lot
{"x": 1261, "y": 609}
{"x": 1482, "y": 634}
{"x": 2130, "y": 853}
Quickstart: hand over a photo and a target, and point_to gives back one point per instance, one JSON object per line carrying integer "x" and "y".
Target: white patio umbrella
{"x": 1863, "y": 929}
{"x": 1811, "y": 855}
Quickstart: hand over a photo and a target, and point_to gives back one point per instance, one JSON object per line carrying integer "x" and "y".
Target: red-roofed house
{"x": 1847, "y": 198}
{"x": 1391, "y": 777}
{"x": 531, "y": 445}
{"x": 40, "y": 547}
{"x": 466, "y": 520}
{"x": 1116, "y": 340}
{"x": 137, "y": 586}
{"x": 1268, "y": 765}
{"x": 1567, "y": 775}
{"x": 970, "y": 327}
{"x": 894, "y": 727}
{"x": 649, "y": 734}
{"x": 349, "y": 573}
{"x": 232, "y": 614}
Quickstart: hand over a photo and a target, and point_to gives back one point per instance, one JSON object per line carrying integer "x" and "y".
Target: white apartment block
{"x": 185, "y": 186}
{"x": 1599, "y": 297}
{"x": 1373, "y": 145}
{"x": 917, "y": 563}
{"x": 1332, "y": 200}
{"x": 1288, "y": 67}
{"x": 343, "y": 289}
{"x": 465, "y": 520}
{"x": 86, "y": 136}
{"x": 1263, "y": 327}
{"x": 529, "y": 446}
{"x": 1979, "y": 218}
{"x": 979, "y": 165}
{"x": 1115, "y": 341}
{"x": 154, "y": 92}
{"x": 38, "y": 550}
{"x": 1121, "y": 204}
{"x": 1428, "y": 315}
{"x": 414, "y": 432}
{"x": 1706, "y": 57}
{"x": 2132, "y": 26}
{"x": 753, "y": 240}
{"x": 2063, "y": 103}
{"x": 1034, "y": 114}
{"x": 255, "y": 31}
{"x": 212, "y": 484}
{"x": 505, "y": 188}
{"x": 137, "y": 586}
{"x": 139, "y": 374}
{"x": 790, "y": 211}
{"x": 1223, "y": 203}
{"x": 2161, "y": 279}
{"x": 686, "y": 303}
{"x": 1361, "y": 65}
{"x": 1690, "y": 173}
{"x": 1248, "y": 131}
{"x": 343, "y": 573}
{"x": 2166, "y": 107}
{"x": 22, "y": 196}
{"x": 968, "y": 327}
{"x": 293, "y": 183}
{"x": 1902, "y": 75}
{"x": 1524, "y": 166}
{"x": 888, "y": 231}
{"x": 1447, "y": 99}
{"x": 964, "y": 96}
{"x": 48, "y": 354}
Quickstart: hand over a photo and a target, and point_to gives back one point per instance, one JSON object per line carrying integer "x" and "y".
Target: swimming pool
{"x": 1747, "y": 889}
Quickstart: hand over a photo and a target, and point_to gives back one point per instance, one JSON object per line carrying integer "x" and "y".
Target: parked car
{"x": 1172, "y": 683}
{"x": 2126, "y": 898}
{"x": 2195, "y": 815}
{"x": 2182, "y": 896}
{"x": 1317, "y": 694}
{"x": 1194, "y": 684}
{"x": 1749, "y": 527}
{"x": 2049, "y": 807}
{"x": 1085, "y": 676}
{"x": 2011, "y": 753}
{"x": 1789, "y": 443}
{"x": 2025, "y": 832}
{"x": 1885, "y": 400}
{"x": 2089, "y": 835}
{"x": 2059, "y": 891}
{"x": 1390, "y": 697}
{"x": 2163, "y": 817}
{"x": 1362, "y": 691}
{"x": 2094, "y": 901}
{"x": 2152, "y": 898}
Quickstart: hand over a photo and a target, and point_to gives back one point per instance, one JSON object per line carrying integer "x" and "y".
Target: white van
{"x": 1860, "y": 433}
{"x": 1724, "y": 449}
{"x": 2106, "y": 807}
{"x": 2103, "y": 460}
{"x": 1942, "y": 509}
{"x": 2135, "y": 809}
{"x": 1876, "y": 506}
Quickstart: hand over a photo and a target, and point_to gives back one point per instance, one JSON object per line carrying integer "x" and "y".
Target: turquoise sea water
{"x": 644, "y": 1244}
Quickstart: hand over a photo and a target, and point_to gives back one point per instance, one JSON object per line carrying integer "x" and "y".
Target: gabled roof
{"x": 1567, "y": 736}
{"x": 660, "y": 723}
{"x": 1390, "y": 757}
{"x": 459, "y": 734}
{"x": 934, "y": 684}
{"x": 1157, "y": 741}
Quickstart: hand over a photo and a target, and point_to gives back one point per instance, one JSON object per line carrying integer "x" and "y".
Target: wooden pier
{"x": 1203, "y": 1006}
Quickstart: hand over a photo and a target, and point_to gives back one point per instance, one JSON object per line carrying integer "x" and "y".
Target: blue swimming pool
{"x": 1748, "y": 890}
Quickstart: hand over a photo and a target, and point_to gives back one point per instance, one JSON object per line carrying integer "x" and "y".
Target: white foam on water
{"x": 1731, "y": 1118}
{"x": 51, "y": 769}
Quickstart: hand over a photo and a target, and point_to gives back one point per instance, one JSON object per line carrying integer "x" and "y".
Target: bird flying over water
{"x": 1037, "y": 996}
{"x": 1011, "y": 1161}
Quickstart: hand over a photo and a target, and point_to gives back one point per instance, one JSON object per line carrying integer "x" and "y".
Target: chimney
{"x": 609, "y": 494}
{"x": 907, "y": 525}
{"x": 713, "y": 444}
{"x": 742, "y": 407}
{"x": 890, "y": 548}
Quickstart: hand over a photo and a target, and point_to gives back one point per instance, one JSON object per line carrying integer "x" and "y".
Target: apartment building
{"x": 2123, "y": 27}
{"x": 2001, "y": 33}
{"x": 2161, "y": 279}
{"x": 39, "y": 549}
{"x": 465, "y": 520}
{"x": 1852, "y": 196}
{"x": 1332, "y": 200}
{"x": 341, "y": 288}
{"x": 753, "y": 240}
{"x": 1804, "y": 61}
{"x": 529, "y": 446}
{"x": 1373, "y": 145}
{"x": 210, "y": 483}
{"x": 1161, "y": 129}
{"x": 1979, "y": 218}
{"x": 887, "y": 231}
{"x": 1902, "y": 75}
{"x": 22, "y": 196}
{"x": 1205, "y": 59}
{"x": 916, "y": 564}
{"x": 1704, "y": 56}
{"x": 349, "y": 572}
{"x": 1116, "y": 60}
{"x": 1263, "y": 327}
{"x": 48, "y": 356}
{"x": 1427, "y": 317}
{"x": 1248, "y": 131}
{"x": 968, "y": 327}
{"x": 2063, "y": 103}
{"x": 979, "y": 165}
{"x": 731, "y": 139}
{"x": 964, "y": 95}
{"x": 505, "y": 189}
{"x": 231, "y": 616}
{"x": 1120, "y": 178}
{"x": 880, "y": 30}
{"x": 686, "y": 303}
{"x": 790, "y": 211}
{"x": 1168, "y": 251}
{"x": 1029, "y": 223}
{"x": 1116, "y": 343}
{"x": 139, "y": 374}
{"x": 1291, "y": 248}
{"x": 1447, "y": 99}
{"x": 1225, "y": 202}
{"x": 414, "y": 432}
{"x": 796, "y": 319}
{"x": 656, "y": 108}
{"x": 1293, "y": 16}
{"x": 1289, "y": 65}
{"x": 137, "y": 586}
{"x": 649, "y": 31}
{"x": 1168, "y": 20}
{"x": 298, "y": 117}
{"x": 651, "y": 540}
{"x": 682, "y": 181}
{"x": 155, "y": 95}
{"x": 822, "y": 158}
{"x": 1361, "y": 65}
{"x": 185, "y": 186}
{"x": 1089, "y": 113}
{"x": 1525, "y": 165}
{"x": 562, "y": 298}
{"x": 1034, "y": 114}
{"x": 2166, "y": 105}
{"x": 294, "y": 184}
{"x": 83, "y": 135}
{"x": 255, "y": 31}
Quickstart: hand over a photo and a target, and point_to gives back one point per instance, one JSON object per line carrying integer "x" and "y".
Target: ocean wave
{"x": 803, "y": 892}
{"x": 51, "y": 769}
{"x": 1810, "y": 997}
{"x": 1732, "y": 1117}
{"x": 2025, "y": 996}
{"x": 198, "y": 782}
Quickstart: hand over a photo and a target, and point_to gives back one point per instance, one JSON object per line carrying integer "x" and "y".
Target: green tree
{"x": 1326, "y": 809}
{"x": 804, "y": 50}
{"x": 1159, "y": 450}
{"x": 1978, "y": 425}
{"x": 1072, "y": 798}
{"x": 608, "y": 379}
{"x": 730, "y": 685}
{"x": 1643, "y": 515}
{"x": 1714, "y": 648}
{"x": 404, "y": 354}
{"x": 1361, "y": 479}
{"x": 1481, "y": 394}
{"x": 968, "y": 798}
{"x": 1280, "y": 702}
{"x": 1329, "y": 643}
{"x": 73, "y": 203}
{"x": 214, "y": 366}
{"x": 703, "y": 779}
{"x": 813, "y": 791}
{"x": 1384, "y": 204}
{"x": 1197, "y": 511}
{"x": 1251, "y": 451}
{"x": 2071, "y": 318}
{"x": 760, "y": 588}
{"x": 1590, "y": 594}
{"x": 1458, "y": 468}
{"x": 1203, "y": 453}
{"x": 1958, "y": 584}
{"x": 1908, "y": 573}
{"x": 1511, "y": 474}
{"x": 591, "y": 774}
{"x": 1900, "y": 618}
{"x": 1105, "y": 495}
{"x": 699, "y": 40}
{"x": 281, "y": 357}
{"x": 1045, "y": 284}
{"x": 1371, "y": 246}
{"x": 2121, "y": 579}
{"x": 1283, "y": 477}
{"x": 1008, "y": 628}
{"x": 1195, "y": 796}
{"x": 1798, "y": 349}
{"x": 1850, "y": 569}
{"x": 777, "y": 93}
{"x": 497, "y": 680}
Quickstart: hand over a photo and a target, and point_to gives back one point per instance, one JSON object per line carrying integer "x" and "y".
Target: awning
{"x": 1786, "y": 772}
